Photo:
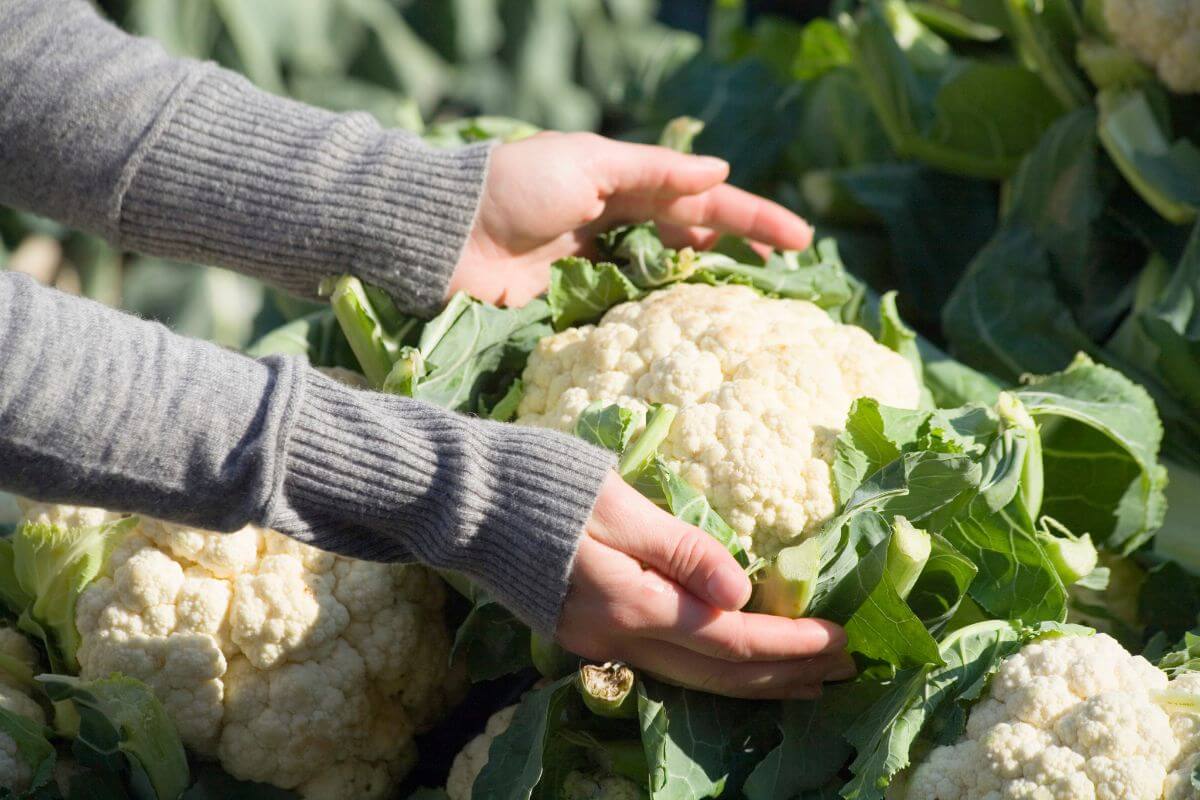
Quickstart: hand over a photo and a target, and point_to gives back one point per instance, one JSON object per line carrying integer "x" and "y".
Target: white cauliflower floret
{"x": 1162, "y": 33}
{"x": 292, "y": 666}
{"x": 471, "y": 760}
{"x": 1067, "y": 718}
{"x": 762, "y": 385}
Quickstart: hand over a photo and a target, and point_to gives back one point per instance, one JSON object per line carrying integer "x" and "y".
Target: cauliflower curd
{"x": 1071, "y": 718}
{"x": 1162, "y": 33}
{"x": 762, "y": 385}
{"x": 292, "y": 666}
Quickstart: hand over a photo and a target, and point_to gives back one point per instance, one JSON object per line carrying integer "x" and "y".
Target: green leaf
{"x": 119, "y": 716}
{"x": 689, "y": 504}
{"x": 468, "y": 351}
{"x": 316, "y": 336}
{"x": 52, "y": 567}
{"x": 943, "y": 585}
{"x": 809, "y": 756}
{"x": 610, "y": 426}
{"x": 581, "y": 291}
{"x": 493, "y": 641}
{"x": 33, "y": 748}
{"x": 884, "y": 735}
{"x": 691, "y": 740}
{"x": 969, "y": 117}
{"x": 1016, "y": 579}
{"x": 516, "y": 758}
{"x": 883, "y": 627}
{"x": 1166, "y": 174}
{"x": 1101, "y": 435}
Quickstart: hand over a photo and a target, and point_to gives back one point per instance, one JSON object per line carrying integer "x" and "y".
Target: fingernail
{"x": 728, "y": 588}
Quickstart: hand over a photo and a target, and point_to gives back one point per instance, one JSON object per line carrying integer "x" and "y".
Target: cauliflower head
{"x": 599, "y": 786}
{"x": 1165, "y": 34}
{"x": 471, "y": 760}
{"x": 1070, "y": 718}
{"x": 762, "y": 385}
{"x": 290, "y": 665}
{"x": 14, "y": 772}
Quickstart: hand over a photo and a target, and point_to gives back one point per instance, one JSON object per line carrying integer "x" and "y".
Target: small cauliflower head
{"x": 1165, "y": 34}
{"x": 291, "y": 666}
{"x": 471, "y": 760}
{"x": 14, "y": 772}
{"x": 1069, "y": 718}
{"x": 762, "y": 385}
{"x": 580, "y": 785}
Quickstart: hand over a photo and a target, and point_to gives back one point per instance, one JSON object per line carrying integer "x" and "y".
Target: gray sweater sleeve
{"x": 100, "y": 408}
{"x": 109, "y": 134}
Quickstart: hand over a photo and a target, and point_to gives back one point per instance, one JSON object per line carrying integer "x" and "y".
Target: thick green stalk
{"x": 642, "y": 450}
{"x": 1074, "y": 558}
{"x": 363, "y": 328}
{"x": 908, "y": 552}
{"x": 551, "y": 660}
{"x": 1033, "y": 481}
{"x": 785, "y": 586}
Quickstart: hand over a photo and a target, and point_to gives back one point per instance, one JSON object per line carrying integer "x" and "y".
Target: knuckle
{"x": 735, "y": 645}
{"x": 687, "y": 555}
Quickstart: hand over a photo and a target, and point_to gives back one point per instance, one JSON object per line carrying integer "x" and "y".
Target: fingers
{"x": 687, "y": 555}
{"x": 799, "y": 680}
{"x": 670, "y": 614}
{"x": 731, "y": 210}
{"x": 624, "y": 168}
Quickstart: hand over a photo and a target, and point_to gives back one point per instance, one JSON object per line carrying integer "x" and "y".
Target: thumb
{"x": 628, "y": 522}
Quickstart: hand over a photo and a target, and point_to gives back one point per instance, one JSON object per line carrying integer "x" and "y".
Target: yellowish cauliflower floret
{"x": 471, "y": 760}
{"x": 290, "y": 665}
{"x": 14, "y": 772}
{"x": 1071, "y": 718}
{"x": 1162, "y": 33}
{"x": 763, "y": 387}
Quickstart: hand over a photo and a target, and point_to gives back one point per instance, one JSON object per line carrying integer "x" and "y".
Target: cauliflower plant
{"x": 1071, "y": 718}
{"x": 14, "y": 771}
{"x": 289, "y": 665}
{"x": 471, "y": 760}
{"x": 1162, "y": 33}
{"x": 762, "y": 385}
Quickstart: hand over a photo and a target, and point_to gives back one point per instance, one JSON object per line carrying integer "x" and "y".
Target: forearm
{"x": 166, "y": 156}
{"x": 99, "y": 408}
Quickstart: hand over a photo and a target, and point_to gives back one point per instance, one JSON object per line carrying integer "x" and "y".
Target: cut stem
{"x": 607, "y": 690}
{"x": 908, "y": 553}
{"x": 786, "y": 586}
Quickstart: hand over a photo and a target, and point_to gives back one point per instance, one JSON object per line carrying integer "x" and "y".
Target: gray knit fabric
{"x": 108, "y": 134}
{"x": 100, "y": 408}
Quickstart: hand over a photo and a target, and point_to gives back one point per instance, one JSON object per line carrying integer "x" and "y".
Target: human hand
{"x": 677, "y": 616}
{"x": 548, "y": 196}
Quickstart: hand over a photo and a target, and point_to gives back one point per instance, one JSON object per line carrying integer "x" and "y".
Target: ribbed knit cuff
{"x": 386, "y": 478}
{"x": 290, "y": 193}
